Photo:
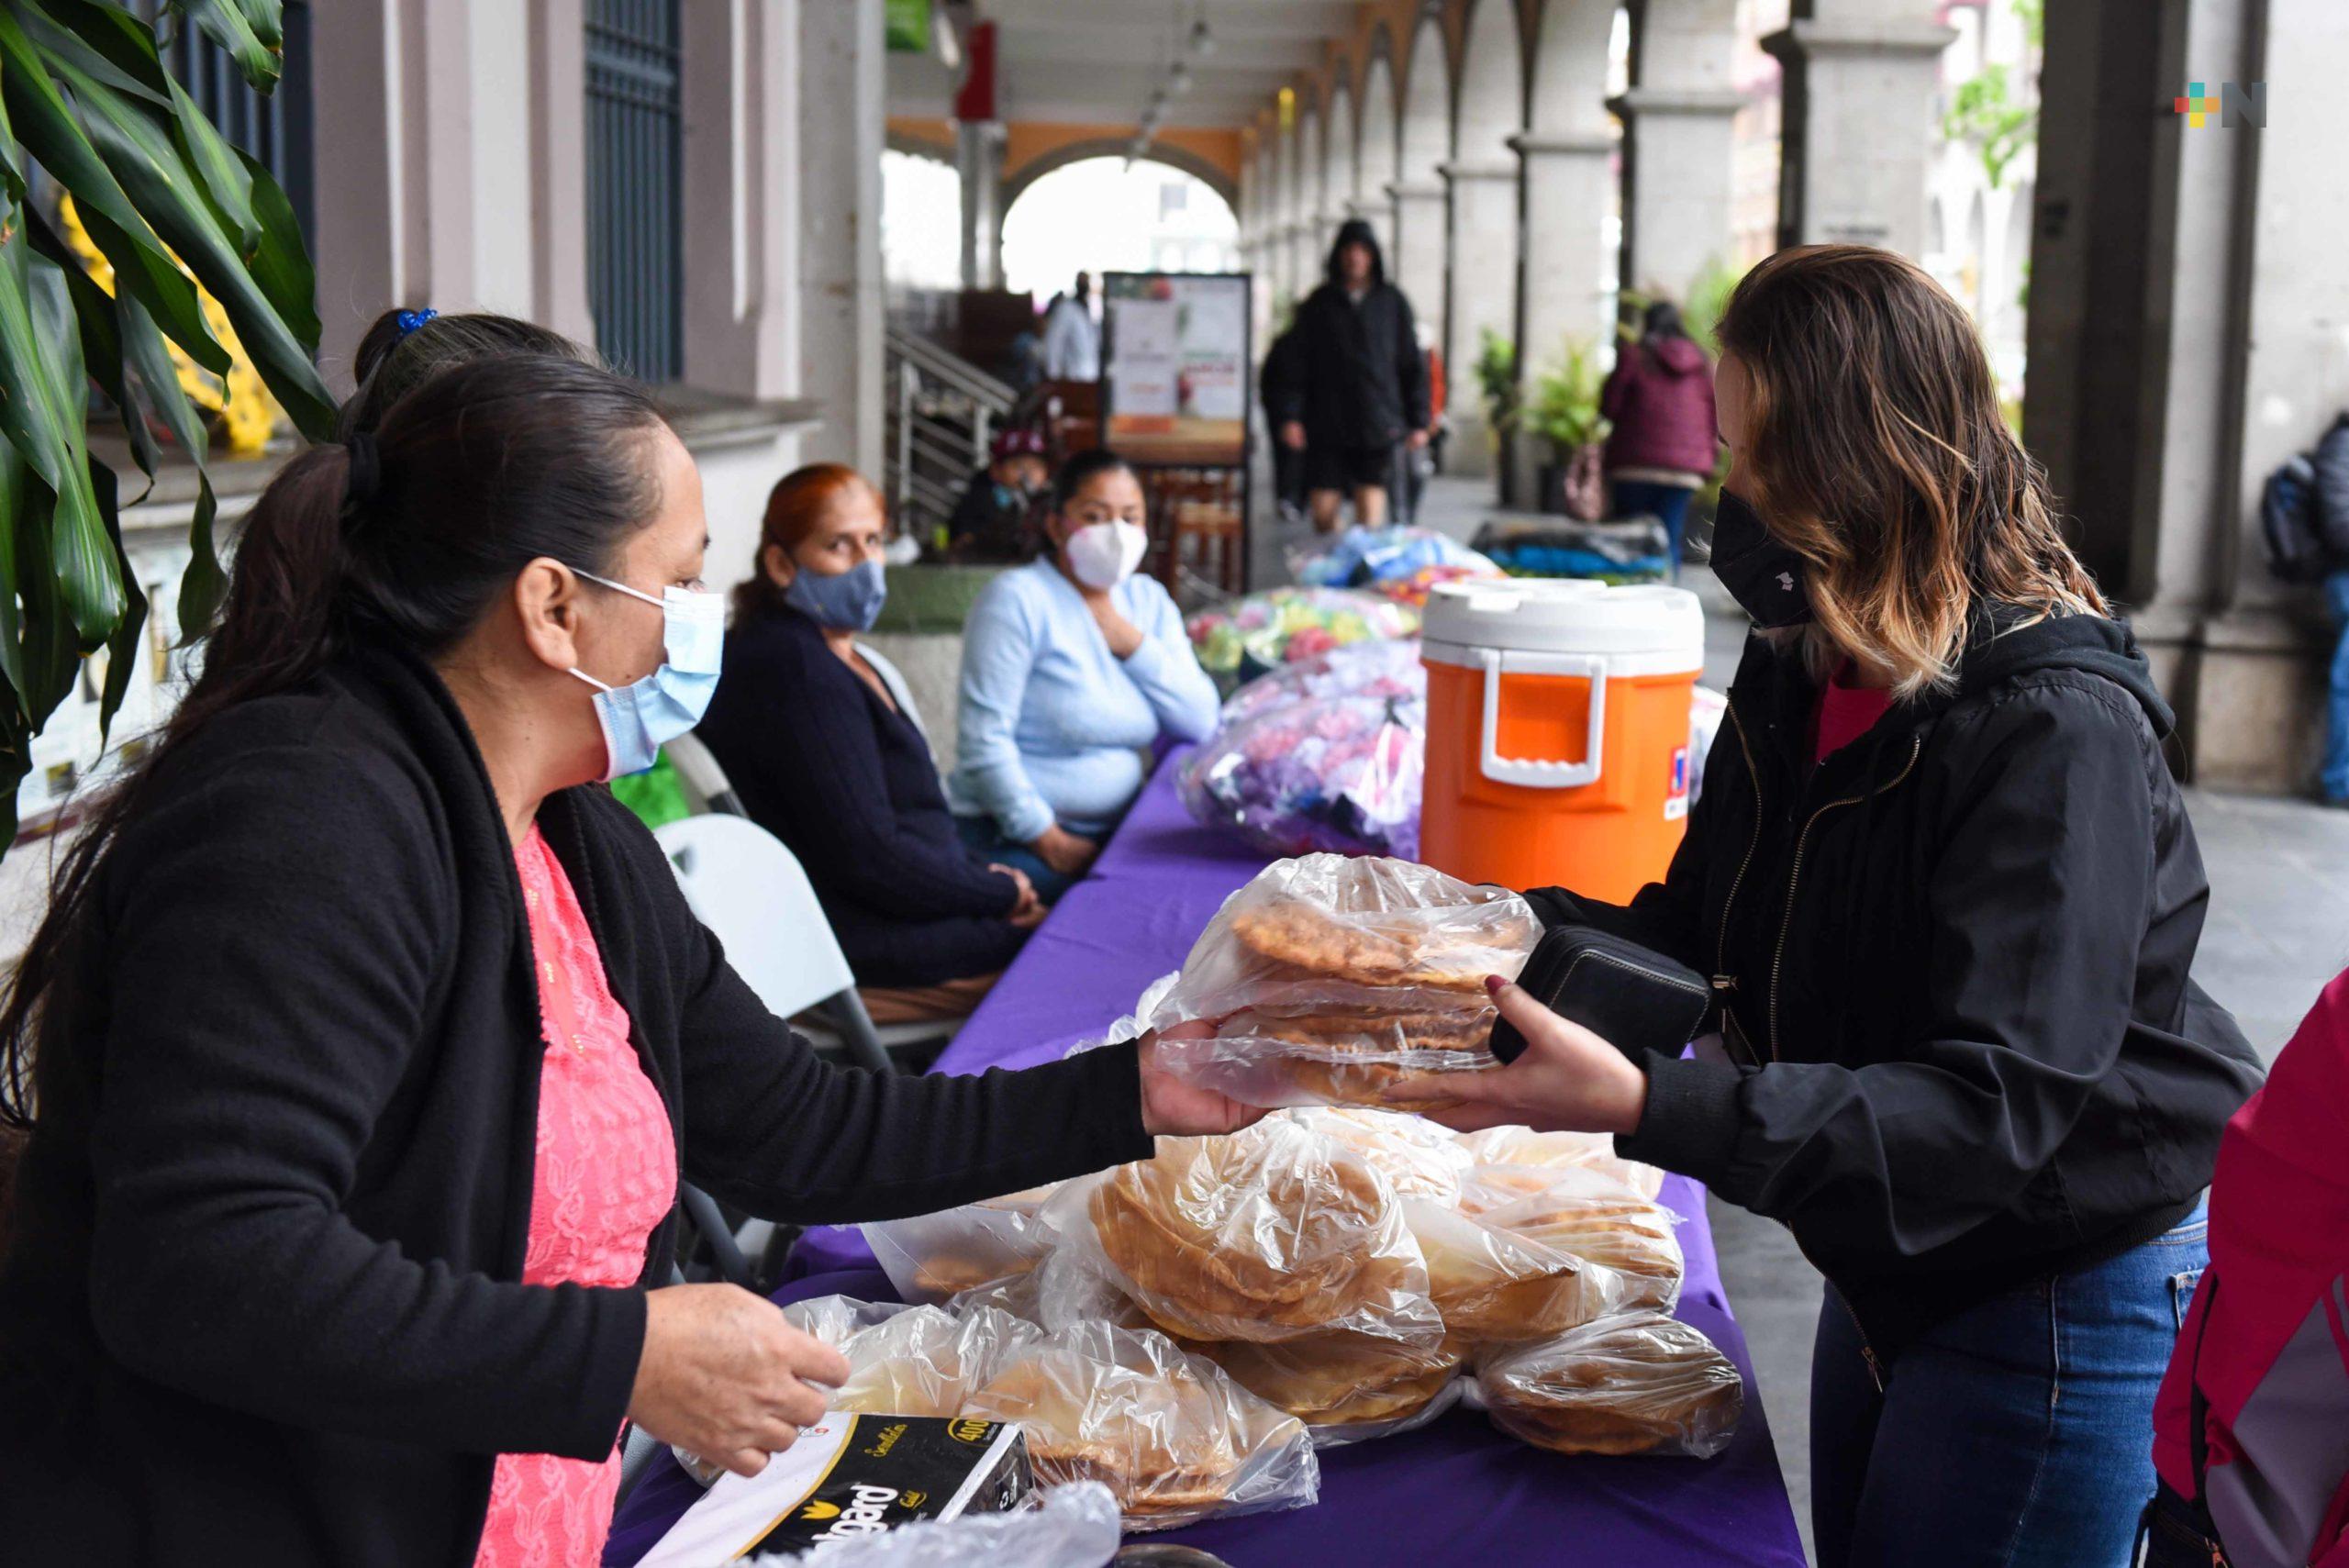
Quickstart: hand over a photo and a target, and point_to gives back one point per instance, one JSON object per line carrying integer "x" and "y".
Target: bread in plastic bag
{"x": 930, "y": 1257}
{"x": 1495, "y": 1285}
{"x": 1075, "y": 1526}
{"x": 1345, "y": 1388}
{"x": 1270, "y": 1233}
{"x": 1359, "y": 669}
{"x": 1341, "y": 773}
{"x": 1328, "y": 980}
{"x": 1637, "y": 1382}
{"x": 1167, "y": 1432}
{"x": 1418, "y": 1158}
{"x": 1579, "y": 1211}
{"x": 1592, "y": 1150}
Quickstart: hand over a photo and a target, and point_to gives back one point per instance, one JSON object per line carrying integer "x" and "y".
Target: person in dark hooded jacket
{"x": 1659, "y": 399}
{"x": 1354, "y": 385}
{"x": 1947, "y": 896}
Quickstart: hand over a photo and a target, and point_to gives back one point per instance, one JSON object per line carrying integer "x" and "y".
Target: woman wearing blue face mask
{"x": 366, "y": 1040}
{"x": 1072, "y": 667}
{"x": 828, "y": 758}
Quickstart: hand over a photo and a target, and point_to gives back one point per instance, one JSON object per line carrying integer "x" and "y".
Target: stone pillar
{"x": 1677, "y": 197}
{"x": 1482, "y": 251}
{"x": 841, "y": 131}
{"x": 1566, "y": 181}
{"x": 1862, "y": 79}
{"x": 737, "y": 158}
{"x": 978, "y": 161}
{"x": 1419, "y": 256}
{"x": 558, "y": 155}
{"x": 1305, "y": 255}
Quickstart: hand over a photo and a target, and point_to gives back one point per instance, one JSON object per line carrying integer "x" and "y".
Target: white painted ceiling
{"x": 1097, "y": 60}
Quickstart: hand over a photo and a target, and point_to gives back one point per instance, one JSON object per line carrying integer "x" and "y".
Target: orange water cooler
{"x": 1558, "y": 732}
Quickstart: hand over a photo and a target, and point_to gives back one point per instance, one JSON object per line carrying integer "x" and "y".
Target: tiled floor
{"x": 2277, "y": 931}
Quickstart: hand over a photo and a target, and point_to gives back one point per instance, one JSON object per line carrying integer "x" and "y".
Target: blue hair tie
{"x": 412, "y": 319}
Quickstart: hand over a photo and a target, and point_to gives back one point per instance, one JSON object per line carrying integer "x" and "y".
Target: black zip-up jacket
{"x": 1353, "y": 373}
{"x": 1952, "y": 965}
{"x": 261, "y": 1301}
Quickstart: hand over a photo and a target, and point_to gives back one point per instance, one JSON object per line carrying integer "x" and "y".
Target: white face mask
{"x": 1102, "y": 555}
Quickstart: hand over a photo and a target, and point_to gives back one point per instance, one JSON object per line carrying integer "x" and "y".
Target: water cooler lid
{"x": 1642, "y": 628}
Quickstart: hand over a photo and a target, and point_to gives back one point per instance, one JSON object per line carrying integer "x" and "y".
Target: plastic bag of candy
{"x": 1263, "y": 632}
{"x": 1361, "y": 558}
{"x": 1338, "y": 774}
{"x": 1359, "y": 670}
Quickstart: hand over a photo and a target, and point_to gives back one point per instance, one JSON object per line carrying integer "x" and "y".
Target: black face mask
{"x": 1761, "y": 575}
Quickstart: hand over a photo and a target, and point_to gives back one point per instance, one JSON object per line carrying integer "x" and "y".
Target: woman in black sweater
{"x": 278, "y": 1038}
{"x": 813, "y": 740}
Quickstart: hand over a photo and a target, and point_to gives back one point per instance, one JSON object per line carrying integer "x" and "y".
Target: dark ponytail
{"x": 406, "y": 534}
{"x": 399, "y": 354}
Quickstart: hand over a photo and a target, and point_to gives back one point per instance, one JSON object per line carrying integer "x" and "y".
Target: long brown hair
{"x": 1877, "y": 452}
{"x": 796, "y": 505}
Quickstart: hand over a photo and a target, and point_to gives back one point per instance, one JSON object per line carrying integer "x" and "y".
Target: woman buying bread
{"x": 366, "y": 1040}
{"x": 1948, "y": 897}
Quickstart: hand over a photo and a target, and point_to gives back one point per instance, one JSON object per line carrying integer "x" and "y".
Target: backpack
{"x": 2295, "y": 551}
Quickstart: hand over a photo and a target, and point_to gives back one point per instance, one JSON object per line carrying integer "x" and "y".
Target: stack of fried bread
{"x": 930, "y": 1257}
{"x": 1639, "y": 1383}
{"x": 1343, "y": 1385}
{"x": 1575, "y": 1210}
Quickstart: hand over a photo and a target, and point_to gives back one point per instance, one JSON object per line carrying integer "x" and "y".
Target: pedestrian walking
{"x": 1072, "y": 337}
{"x": 1662, "y": 446}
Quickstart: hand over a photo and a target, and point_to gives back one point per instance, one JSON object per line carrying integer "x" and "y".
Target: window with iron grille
{"x": 273, "y": 128}
{"x": 633, "y": 226}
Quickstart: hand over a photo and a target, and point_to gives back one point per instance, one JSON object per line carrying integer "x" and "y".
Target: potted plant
{"x": 1496, "y": 384}
{"x": 1563, "y": 411}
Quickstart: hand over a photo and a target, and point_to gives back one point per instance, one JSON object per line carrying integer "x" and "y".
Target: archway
{"x": 1483, "y": 177}
{"x": 922, "y": 219}
{"x": 1217, "y": 179}
{"x": 1098, "y": 215}
{"x": 1338, "y": 163}
{"x": 1423, "y": 141}
{"x": 1375, "y": 168}
{"x": 1305, "y": 234}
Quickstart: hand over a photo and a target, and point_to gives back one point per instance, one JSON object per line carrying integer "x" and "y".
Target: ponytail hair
{"x": 399, "y": 354}
{"x": 404, "y": 534}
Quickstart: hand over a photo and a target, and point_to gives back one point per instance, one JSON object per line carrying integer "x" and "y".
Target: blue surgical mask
{"x": 642, "y": 717}
{"x": 846, "y": 601}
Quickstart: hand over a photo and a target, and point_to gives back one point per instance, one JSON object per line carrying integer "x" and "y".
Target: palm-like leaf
{"x": 172, "y": 207}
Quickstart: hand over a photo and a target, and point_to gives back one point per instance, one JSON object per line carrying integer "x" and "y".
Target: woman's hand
{"x": 723, "y": 1375}
{"x": 1568, "y": 1080}
{"x": 1172, "y": 1108}
{"x": 1065, "y": 851}
{"x": 1029, "y": 911}
{"x": 1123, "y": 636}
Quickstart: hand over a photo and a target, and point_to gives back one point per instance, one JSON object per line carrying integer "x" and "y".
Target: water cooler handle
{"x": 1532, "y": 771}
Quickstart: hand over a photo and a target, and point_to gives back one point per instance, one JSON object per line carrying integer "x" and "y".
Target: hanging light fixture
{"x": 1181, "y": 79}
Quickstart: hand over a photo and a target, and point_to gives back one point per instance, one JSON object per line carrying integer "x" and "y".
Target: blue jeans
{"x": 2017, "y": 1434}
{"x": 987, "y": 843}
{"x": 2335, "y": 774}
{"x": 1638, "y": 497}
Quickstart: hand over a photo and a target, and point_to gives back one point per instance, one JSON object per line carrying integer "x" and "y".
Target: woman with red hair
{"x": 827, "y": 759}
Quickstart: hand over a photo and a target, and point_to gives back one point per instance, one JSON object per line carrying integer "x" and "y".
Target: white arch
{"x": 1426, "y": 133}
{"x": 1377, "y": 165}
{"x": 1492, "y": 83}
{"x": 1338, "y": 154}
{"x": 1305, "y": 238}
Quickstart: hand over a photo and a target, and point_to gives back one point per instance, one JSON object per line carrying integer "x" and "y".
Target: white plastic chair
{"x": 705, "y": 783}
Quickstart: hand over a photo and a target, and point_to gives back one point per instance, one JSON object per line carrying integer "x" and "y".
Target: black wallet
{"x": 1631, "y": 996}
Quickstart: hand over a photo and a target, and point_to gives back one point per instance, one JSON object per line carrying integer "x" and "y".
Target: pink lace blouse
{"x": 605, "y": 1174}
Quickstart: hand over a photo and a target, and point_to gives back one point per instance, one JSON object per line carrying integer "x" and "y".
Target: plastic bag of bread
{"x": 1271, "y": 1233}
{"x": 1640, "y": 1382}
{"x": 1497, "y": 1286}
{"x": 1173, "y": 1437}
{"x": 1592, "y": 1150}
{"x": 1327, "y": 979}
{"x": 1418, "y": 1159}
{"x": 1345, "y": 1388}
{"x": 930, "y": 1257}
{"x": 1577, "y": 1210}
{"x": 911, "y": 1361}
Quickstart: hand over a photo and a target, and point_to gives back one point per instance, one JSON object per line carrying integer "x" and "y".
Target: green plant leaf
{"x": 252, "y": 32}
{"x": 146, "y": 160}
{"x": 124, "y": 647}
{"x": 203, "y": 583}
{"x": 282, "y": 264}
{"x": 96, "y": 46}
{"x": 18, "y": 487}
{"x": 226, "y": 180}
{"x": 41, "y": 383}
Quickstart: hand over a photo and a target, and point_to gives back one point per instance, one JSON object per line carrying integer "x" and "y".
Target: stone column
{"x": 978, "y": 160}
{"x": 1566, "y": 181}
{"x": 1419, "y": 256}
{"x": 1677, "y": 197}
{"x": 1862, "y": 79}
{"x": 1305, "y": 253}
{"x": 739, "y": 162}
{"x": 558, "y": 155}
{"x": 840, "y": 136}
{"x": 1482, "y": 251}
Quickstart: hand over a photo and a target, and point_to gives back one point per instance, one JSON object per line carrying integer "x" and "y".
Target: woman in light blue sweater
{"x": 1072, "y": 667}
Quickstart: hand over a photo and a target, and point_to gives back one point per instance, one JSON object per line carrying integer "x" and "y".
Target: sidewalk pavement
{"x": 2277, "y": 930}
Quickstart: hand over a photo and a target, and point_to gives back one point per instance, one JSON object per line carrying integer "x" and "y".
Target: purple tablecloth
{"x": 1452, "y": 1492}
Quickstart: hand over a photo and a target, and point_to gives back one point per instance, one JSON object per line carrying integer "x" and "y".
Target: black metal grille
{"x": 274, "y": 128}
{"x": 633, "y": 224}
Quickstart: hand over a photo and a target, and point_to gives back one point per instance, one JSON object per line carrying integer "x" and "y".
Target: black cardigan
{"x": 826, "y": 766}
{"x": 262, "y": 1302}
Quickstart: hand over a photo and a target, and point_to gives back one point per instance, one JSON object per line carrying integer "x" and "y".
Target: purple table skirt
{"x": 1451, "y": 1492}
